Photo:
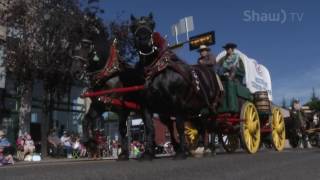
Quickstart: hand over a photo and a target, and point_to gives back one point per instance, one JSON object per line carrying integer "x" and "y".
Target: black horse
{"x": 102, "y": 67}
{"x": 173, "y": 88}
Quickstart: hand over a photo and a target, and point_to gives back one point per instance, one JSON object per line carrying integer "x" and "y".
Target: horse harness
{"x": 112, "y": 66}
{"x": 198, "y": 75}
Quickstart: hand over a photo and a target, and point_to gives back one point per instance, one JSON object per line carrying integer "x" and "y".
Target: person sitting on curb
{"x": 25, "y": 147}
{"x": 29, "y": 146}
{"x": 5, "y": 150}
{"x": 5, "y": 159}
{"x": 54, "y": 143}
{"x": 66, "y": 143}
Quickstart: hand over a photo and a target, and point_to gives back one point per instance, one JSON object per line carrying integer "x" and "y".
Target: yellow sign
{"x": 203, "y": 39}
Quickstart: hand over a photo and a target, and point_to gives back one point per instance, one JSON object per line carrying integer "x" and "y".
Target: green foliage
{"x": 284, "y": 103}
{"x": 41, "y": 37}
{"x": 314, "y": 102}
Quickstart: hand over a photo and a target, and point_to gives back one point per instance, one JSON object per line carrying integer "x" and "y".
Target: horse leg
{"x": 85, "y": 127}
{"x": 149, "y": 132}
{"x": 124, "y": 155}
{"x": 169, "y": 123}
{"x": 90, "y": 120}
{"x": 181, "y": 154}
{"x": 208, "y": 147}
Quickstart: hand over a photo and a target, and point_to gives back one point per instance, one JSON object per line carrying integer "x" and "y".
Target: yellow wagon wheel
{"x": 192, "y": 135}
{"x": 250, "y": 127}
{"x": 278, "y": 129}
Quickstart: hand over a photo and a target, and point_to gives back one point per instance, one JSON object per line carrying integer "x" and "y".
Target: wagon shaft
{"x": 115, "y": 90}
{"x": 313, "y": 130}
{"x": 120, "y": 103}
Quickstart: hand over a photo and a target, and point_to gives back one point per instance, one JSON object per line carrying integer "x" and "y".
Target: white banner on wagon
{"x": 257, "y": 76}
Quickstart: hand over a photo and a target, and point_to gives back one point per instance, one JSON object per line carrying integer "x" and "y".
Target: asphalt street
{"x": 266, "y": 164}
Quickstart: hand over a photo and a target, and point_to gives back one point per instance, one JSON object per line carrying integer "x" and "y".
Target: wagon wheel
{"x": 250, "y": 127}
{"x": 230, "y": 142}
{"x": 278, "y": 130}
{"x": 192, "y": 135}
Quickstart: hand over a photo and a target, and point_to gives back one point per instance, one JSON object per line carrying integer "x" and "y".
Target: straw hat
{"x": 203, "y": 47}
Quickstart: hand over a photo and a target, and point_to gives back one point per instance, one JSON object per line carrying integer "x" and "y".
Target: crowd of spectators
{"x": 69, "y": 145}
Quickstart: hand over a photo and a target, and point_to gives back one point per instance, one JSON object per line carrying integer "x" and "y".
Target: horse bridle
{"x": 153, "y": 47}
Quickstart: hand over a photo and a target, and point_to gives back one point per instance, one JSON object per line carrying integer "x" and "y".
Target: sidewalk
{"x": 49, "y": 160}
{"x": 59, "y": 160}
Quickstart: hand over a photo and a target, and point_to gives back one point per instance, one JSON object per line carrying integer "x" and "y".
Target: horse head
{"x": 96, "y": 56}
{"x": 142, "y": 29}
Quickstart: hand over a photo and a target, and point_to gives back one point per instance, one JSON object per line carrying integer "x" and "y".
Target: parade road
{"x": 266, "y": 164}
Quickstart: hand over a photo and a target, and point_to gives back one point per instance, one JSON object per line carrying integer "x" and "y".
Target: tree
{"x": 284, "y": 103}
{"x": 42, "y": 35}
{"x": 314, "y": 102}
{"x": 21, "y": 50}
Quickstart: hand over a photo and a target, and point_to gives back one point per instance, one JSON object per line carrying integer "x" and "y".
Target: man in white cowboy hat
{"x": 206, "y": 58}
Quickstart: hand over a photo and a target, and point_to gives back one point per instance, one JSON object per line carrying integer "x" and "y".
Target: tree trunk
{"x": 2, "y": 106}
{"x": 25, "y": 107}
{"x": 45, "y": 123}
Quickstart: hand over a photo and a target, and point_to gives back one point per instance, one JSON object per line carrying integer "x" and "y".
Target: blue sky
{"x": 289, "y": 49}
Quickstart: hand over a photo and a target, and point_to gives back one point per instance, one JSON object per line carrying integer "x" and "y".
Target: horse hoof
{"x": 123, "y": 157}
{"x": 180, "y": 156}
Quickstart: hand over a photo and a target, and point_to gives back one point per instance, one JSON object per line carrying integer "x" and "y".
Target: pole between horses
{"x": 115, "y": 90}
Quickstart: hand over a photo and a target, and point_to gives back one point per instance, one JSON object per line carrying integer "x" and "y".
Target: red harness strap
{"x": 111, "y": 66}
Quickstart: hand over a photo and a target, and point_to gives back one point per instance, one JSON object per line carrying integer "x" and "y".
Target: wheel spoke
{"x": 278, "y": 129}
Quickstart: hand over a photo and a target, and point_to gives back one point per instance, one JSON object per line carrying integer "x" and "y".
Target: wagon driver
{"x": 206, "y": 57}
{"x": 230, "y": 62}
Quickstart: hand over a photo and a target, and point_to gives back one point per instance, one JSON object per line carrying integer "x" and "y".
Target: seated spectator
{"x": 78, "y": 147}
{"x": 20, "y": 147}
{"x": 66, "y": 144}
{"x": 5, "y": 159}
{"x": 4, "y": 143}
{"x": 54, "y": 143}
{"x": 5, "y": 150}
{"x": 28, "y": 145}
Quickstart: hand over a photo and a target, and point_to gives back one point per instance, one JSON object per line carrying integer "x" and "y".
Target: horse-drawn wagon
{"x": 302, "y": 126}
{"x": 246, "y": 114}
{"x": 176, "y": 89}
{"x": 247, "y": 109}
